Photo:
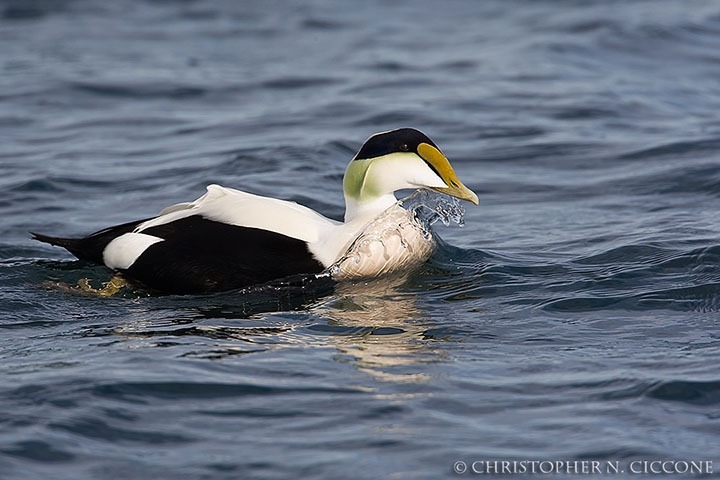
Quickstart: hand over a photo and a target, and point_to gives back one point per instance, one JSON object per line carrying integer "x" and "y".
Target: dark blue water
{"x": 575, "y": 316}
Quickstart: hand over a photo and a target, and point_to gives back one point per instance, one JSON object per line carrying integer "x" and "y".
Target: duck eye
{"x": 404, "y": 147}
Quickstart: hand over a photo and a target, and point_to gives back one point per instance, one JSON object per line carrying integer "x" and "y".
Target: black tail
{"x": 90, "y": 248}
{"x": 80, "y": 247}
{"x": 67, "y": 243}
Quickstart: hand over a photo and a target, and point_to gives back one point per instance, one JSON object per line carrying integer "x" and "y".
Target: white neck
{"x": 367, "y": 209}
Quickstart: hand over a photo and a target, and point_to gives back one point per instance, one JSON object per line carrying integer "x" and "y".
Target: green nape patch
{"x": 354, "y": 179}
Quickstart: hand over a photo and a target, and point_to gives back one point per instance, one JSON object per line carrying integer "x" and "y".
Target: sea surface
{"x": 575, "y": 316}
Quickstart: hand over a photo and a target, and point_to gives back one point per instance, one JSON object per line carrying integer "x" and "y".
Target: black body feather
{"x": 200, "y": 255}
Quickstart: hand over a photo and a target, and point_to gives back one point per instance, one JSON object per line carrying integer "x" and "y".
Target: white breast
{"x": 393, "y": 241}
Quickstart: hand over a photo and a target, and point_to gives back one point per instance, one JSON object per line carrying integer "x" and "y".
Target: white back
{"x": 244, "y": 209}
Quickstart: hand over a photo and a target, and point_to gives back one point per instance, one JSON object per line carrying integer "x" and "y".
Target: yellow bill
{"x": 440, "y": 164}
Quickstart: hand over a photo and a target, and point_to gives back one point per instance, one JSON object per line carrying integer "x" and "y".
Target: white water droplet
{"x": 431, "y": 207}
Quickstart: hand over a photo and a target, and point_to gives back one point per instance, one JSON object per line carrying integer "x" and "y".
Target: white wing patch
{"x": 124, "y": 250}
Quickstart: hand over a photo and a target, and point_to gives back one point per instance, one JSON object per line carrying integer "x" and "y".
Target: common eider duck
{"x": 228, "y": 239}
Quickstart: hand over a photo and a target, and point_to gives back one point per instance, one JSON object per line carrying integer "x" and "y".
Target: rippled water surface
{"x": 574, "y": 316}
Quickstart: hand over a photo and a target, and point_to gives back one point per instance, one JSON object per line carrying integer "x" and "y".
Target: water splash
{"x": 431, "y": 207}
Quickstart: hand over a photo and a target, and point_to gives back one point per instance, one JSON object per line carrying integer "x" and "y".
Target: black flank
{"x": 201, "y": 255}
